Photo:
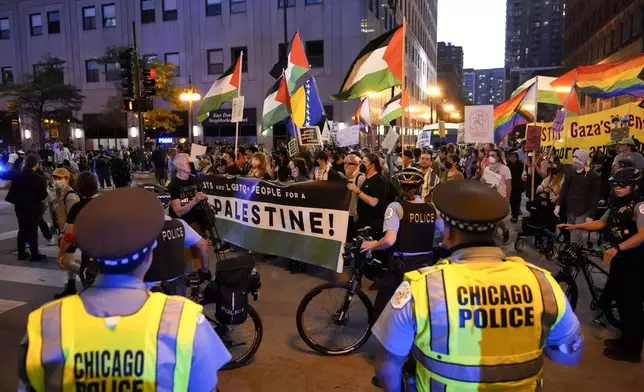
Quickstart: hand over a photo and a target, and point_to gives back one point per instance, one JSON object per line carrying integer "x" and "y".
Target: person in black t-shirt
{"x": 371, "y": 196}
{"x": 87, "y": 187}
{"x": 184, "y": 198}
{"x": 160, "y": 169}
{"x": 231, "y": 167}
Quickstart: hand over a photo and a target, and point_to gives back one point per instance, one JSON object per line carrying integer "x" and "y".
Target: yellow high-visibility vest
{"x": 481, "y": 326}
{"x": 150, "y": 350}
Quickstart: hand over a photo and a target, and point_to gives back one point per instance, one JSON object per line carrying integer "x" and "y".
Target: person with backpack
{"x": 65, "y": 198}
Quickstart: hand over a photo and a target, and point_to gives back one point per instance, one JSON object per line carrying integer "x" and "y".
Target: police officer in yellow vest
{"x": 478, "y": 321}
{"x": 116, "y": 335}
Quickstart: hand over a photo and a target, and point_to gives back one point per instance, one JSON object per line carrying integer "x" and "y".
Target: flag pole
{"x": 536, "y": 109}
{"x": 241, "y": 66}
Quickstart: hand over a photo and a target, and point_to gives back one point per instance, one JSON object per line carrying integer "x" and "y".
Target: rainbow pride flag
{"x": 507, "y": 115}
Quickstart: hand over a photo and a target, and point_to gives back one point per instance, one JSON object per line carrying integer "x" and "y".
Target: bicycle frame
{"x": 584, "y": 264}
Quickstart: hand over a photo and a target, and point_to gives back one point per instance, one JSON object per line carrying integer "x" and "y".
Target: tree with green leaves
{"x": 43, "y": 94}
{"x": 166, "y": 88}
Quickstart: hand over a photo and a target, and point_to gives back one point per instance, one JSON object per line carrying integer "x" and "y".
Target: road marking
{"x": 8, "y": 235}
{"x": 30, "y": 275}
{"x": 6, "y": 305}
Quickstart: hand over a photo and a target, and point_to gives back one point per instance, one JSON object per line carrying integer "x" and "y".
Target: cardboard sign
{"x": 293, "y": 149}
{"x": 460, "y": 136}
{"x": 617, "y": 134}
{"x": 390, "y": 140}
{"x": 238, "y": 109}
{"x": 424, "y": 139}
{"x": 532, "y": 138}
{"x": 326, "y": 133}
{"x": 196, "y": 150}
{"x": 479, "y": 124}
{"x": 309, "y": 136}
{"x": 491, "y": 179}
{"x": 349, "y": 136}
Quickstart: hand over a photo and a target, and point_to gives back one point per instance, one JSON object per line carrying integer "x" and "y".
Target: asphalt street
{"x": 284, "y": 362}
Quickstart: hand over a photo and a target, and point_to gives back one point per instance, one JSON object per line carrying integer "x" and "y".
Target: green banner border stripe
{"x": 313, "y": 250}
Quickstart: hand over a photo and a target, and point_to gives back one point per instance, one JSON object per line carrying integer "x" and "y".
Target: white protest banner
{"x": 334, "y": 128}
{"x": 390, "y": 140}
{"x": 309, "y": 136}
{"x": 305, "y": 221}
{"x": 196, "y": 150}
{"x": 491, "y": 179}
{"x": 326, "y": 132}
{"x": 238, "y": 109}
{"x": 424, "y": 139}
{"x": 349, "y": 136}
{"x": 479, "y": 124}
{"x": 460, "y": 136}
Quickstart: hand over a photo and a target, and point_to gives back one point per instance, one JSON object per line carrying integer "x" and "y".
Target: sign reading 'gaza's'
{"x": 305, "y": 221}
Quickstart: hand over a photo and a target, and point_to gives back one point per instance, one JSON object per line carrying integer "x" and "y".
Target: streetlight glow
{"x": 78, "y": 133}
{"x": 27, "y": 134}
{"x": 190, "y": 96}
{"x": 449, "y": 107}
{"x": 433, "y": 91}
{"x": 455, "y": 115}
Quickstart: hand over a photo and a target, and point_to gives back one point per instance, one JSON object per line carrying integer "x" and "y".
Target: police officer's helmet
{"x": 625, "y": 177}
{"x": 411, "y": 177}
{"x": 161, "y": 192}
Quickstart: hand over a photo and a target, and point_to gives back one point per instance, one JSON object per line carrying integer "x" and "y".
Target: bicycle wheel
{"x": 243, "y": 340}
{"x": 610, "y": 311}
{"x": 569, "y": 287}
{"x": 330, "y": 332}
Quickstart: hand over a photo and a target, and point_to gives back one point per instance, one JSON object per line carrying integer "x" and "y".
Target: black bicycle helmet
{"x": 161, "y": 192}
{"x": 625, "y": 177}
{"x": 411, "y": 176}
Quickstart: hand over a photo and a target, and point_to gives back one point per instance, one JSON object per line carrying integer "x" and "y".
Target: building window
{"x": 7, "y": 75}
{"x": 5, "y": 28}
{"x": 56, "y": 71}
{"x": 109, "y": 15}
{"x": 35, "y": 22}
{"x": 89, "y": 18}
{"x": 53, "y": 22}
{"x": 170, "y": 10}
{"x": 112, "y": 72}
{"x": 234, "y": 54}
{"x": 237, "y": 6}
{"x": 173, "y": 58}
{"x": 215, "y": 61}
{"x": 315, "y": 53}
{"x": 289, "y": 3}
{"x": 213, "y": 7}
{"x": 150, "y": 58}
{"x": 91, "y": 71}
{"x": 312, "y": 2}
{"x": 147, "y": 11}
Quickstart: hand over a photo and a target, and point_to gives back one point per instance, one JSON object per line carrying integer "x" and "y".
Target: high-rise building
{"x": 534, "y": 33}
{"x": 483, "y": 86}
{"x": 450, "y": 68}
{"x": 600, "y": 31}
{"x": 203, "y": 38}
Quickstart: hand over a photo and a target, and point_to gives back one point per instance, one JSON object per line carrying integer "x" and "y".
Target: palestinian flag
{"x": 277, "y": 104}
{"x": 225, "y": 88}
{"x": 378, "y": 66}
{"x": 394, "y": 108}
{"x": 297, "y": 64}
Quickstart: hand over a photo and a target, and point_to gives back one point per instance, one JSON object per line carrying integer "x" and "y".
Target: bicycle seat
{"x": 196, "y": 278}
{"x": 363, "y": 231}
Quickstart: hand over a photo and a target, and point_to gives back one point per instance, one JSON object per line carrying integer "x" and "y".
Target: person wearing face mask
{"x": 458, "y": 318}
{"x": 452, "y": 173}
{"x": 231, "y": 167}
{"x": 516, "y": 170}
{"x": 579, "y": 193}
{"x": 624, "y": 224}
{"x": 499, "y": 178}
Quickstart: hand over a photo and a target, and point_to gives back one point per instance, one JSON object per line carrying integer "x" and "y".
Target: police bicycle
{"x": 574, "y": 259}
{"x": 336, "y": 318}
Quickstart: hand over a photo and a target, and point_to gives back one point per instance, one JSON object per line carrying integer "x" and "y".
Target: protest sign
{"x": 532, "y": 138}
{"x": 424, "y": 139}
{"x": 390, "y": 140}
{"x": 334, "y": 128}
{"x": 238, "y": 109}
{"x": 309, "y": 136}
{"x": 196, "y": 150}
{"x": 590, "y": 132}
{"x": 304, "y": 221}
{"x": 479, "y": 124}
{"x": 560, "y": 118}
{"x": 348, "y": 136}
{"x": 293, "y": 149}
{"x": 491, "y": 179}
{"x": 326, "y": 132}
{"x": 460, "y": 136}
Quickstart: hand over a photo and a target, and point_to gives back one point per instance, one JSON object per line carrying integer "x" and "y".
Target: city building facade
{"x": 483, "y": 86}
{"x": 450, "y": 68}
{"x": 203, "y": 38}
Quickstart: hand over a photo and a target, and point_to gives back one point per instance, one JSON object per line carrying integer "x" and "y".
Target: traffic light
{"x": 127, "y": 80}
{"x": 149, "y": 84}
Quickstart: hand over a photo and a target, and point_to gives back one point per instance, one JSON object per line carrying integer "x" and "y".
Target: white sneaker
{"x": 51, "y": 242}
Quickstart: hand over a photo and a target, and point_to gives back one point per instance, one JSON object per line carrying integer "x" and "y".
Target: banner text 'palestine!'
{"x": 225, "y": 88}
{"x": 378, "y": 66}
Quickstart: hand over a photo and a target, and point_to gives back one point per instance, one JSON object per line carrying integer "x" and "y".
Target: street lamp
{"x": 448, "y": 107}
{"x": 190, "y": 95}
{"x": 455, "y": 115}
{"x": 432, "y": 92}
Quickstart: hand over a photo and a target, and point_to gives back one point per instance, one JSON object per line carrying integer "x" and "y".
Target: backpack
{"x": 230, "y": 289}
